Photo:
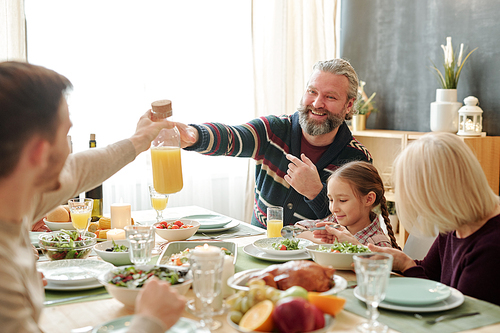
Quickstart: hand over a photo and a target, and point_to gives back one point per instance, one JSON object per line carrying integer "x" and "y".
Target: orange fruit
{"x": 259, "y": 317}
{"x": 330, "y": 304}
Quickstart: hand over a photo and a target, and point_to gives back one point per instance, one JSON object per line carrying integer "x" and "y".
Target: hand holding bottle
{"x": 146, "y": 131}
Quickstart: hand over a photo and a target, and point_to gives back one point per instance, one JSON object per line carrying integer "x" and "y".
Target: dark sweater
{"x": 268, "y": 140}
{"x": 468, "y": 264}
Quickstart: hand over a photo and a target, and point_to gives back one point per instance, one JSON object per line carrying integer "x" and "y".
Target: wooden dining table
{"x": 65, "y": 318}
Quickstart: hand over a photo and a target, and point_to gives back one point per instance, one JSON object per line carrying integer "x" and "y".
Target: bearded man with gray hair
{"x": 295, "y": 153}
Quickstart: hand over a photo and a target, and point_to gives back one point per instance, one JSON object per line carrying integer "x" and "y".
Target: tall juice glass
{"x": 81, "y": 213}
{"x": 274, "y": 221}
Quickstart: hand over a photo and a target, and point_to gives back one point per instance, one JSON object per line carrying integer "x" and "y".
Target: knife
{"x": 71, "y": 299}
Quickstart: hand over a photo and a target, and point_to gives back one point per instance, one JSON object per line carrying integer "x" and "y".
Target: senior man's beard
{"x": 313, "y": 127}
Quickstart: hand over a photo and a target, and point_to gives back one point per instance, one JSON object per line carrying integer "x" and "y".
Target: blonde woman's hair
{"x": 364, "y": 178}
{"x": 440, "y": 185}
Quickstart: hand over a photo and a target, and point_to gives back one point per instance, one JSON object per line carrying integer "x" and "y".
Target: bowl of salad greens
{"x": 114, "y": 251}
{"x": 124, "y": 283}
{"x": 337, "y": 255}
{"x": 66, "y": 244}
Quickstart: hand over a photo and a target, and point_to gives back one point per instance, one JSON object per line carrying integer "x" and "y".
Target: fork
{"x": 447, "y": 317}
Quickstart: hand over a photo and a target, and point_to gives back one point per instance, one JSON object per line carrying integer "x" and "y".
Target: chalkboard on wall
{"x": 391, "y": 45}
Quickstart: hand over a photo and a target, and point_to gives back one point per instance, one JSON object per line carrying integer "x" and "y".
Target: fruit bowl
{"x": 177, "y": 234}
{"x": 329, "y": 320}
{"x": 128, "y": 294}
{"x": 116, "y": 258}
{"x": 65, "y": 244}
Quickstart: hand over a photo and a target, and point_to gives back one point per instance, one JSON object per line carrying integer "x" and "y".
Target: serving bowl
{"x": 340, "y": 261}
{"x": 177, "y": 234}
{"x": 116, "y": 258}
{"x": 65, "y": 244}
{"x": 127, "y": 296}
{"x": 55, "y": 226}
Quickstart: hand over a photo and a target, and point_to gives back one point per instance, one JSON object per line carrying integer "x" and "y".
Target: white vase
{"x": 444, "y": 111}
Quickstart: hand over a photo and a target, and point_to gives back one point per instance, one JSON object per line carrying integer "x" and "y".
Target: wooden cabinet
{"x": 385, "y": 145}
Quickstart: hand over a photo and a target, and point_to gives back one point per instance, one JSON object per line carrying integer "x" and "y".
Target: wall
{"x": 391, "y": 45}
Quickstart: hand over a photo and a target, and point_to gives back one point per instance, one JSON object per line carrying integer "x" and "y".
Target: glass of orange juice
{"x": 274, "y": 221}
{"x": 81, "y": 212}
{"x": 158, "y": 202}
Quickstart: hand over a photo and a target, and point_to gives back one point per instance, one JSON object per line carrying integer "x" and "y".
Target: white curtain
{"x": 123, "y": 55}
{"x": 12, "y": 30}
{"x": 289, "y": 37}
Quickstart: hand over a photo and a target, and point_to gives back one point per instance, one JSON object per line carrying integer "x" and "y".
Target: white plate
{"x": 255, "y": 252}
{"x": 414, "y": 291}
{"x": 266, "y": 245}
{"x": 73, "y": 271}
{"x": 455, "y": 300}
{"x": 228, "y": 226}
{"x": 121, "y": 325}
{"x": 61, "y": 287}
{"x": 209, "y": 221}
{"x": 239, "y": 280}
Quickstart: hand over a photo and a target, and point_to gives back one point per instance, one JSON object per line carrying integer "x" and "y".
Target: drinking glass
{"x": 207, "y": 283}
{"x": 274, "y": 221}
{"x": 372, "y": 274}
{"x": 158, "y": 202}
{"x": 141, "y": 238}
{"x": 81, "y": 213}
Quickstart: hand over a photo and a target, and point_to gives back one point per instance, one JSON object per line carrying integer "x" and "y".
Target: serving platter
{"x": 255, "y": 252}
{"x": 266, "y": 245}
{"x": 239, "y": 281}
{"x": 122, "y": 325}
{"x": 71, "y": 272}
{"x": 176, "y": 247}
{"x": 455, "y": 300}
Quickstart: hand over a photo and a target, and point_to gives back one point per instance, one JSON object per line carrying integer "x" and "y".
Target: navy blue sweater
{"x": 267, "y": 140}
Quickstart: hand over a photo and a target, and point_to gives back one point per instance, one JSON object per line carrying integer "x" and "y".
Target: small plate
{"x": 255, "y": 252}
{"x": 230, "y": 225}
{"x": 414, "y": 291}
{"x": 266, "y": 245}
{"x": 62, "y": 287}
{"x": 121, "y": 325}
{"x": 209, "y": 221}
{"x": 73, "y": 271}
{"x": 239, "y": 282}
{"x": 455, "y": 300}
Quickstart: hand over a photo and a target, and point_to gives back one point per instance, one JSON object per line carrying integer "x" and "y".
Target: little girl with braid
{"x": 354, "y": 190}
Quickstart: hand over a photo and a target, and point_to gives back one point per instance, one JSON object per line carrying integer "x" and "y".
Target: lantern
{"x": 470, "y": 118}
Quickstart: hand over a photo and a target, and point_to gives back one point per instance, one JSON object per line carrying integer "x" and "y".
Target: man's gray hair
{"x": 341, "y": 67}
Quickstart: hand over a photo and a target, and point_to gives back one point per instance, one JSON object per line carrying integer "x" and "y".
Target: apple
{"x": 295, "y": 314}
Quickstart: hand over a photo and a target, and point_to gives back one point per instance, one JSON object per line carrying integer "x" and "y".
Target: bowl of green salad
{"x": 114, "y": 251}
{"x": 337, "y": 255}
{"x": 66, "y": 244}
{"x": 124, "y": 283}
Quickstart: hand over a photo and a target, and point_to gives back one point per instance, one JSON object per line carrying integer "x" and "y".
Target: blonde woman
{"x": 441, "y": 188}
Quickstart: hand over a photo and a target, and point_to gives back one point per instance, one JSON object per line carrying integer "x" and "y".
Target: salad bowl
{"x": 336, "y": 255}
{"x": 117, "y": 258}
{"x": 126, "y": 291}
{"x": 66, "y": 244}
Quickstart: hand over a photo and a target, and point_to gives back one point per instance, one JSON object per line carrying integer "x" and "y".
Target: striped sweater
{"x": 267, "y": 140}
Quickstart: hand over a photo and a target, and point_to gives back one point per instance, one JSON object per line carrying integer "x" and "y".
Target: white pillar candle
{"x": 115, "y": 234}
{"x": 120, "y": 215}
{"x": 207, "y": 251}
{"x": 227, "y": 272}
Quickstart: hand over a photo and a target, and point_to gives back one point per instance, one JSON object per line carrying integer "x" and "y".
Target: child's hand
{"x": 401, "y": 261}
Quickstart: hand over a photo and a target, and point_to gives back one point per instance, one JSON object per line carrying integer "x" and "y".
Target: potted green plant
{"x": 364, "y": 106}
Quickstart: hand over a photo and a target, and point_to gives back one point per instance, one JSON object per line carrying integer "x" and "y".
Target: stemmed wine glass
{"x": 141, "y": 239}
{"x": 81, "y": 213}
{"x": 372, "y": 274}
{"x": 206, "y": 266}
{"x": 158, "y": 201}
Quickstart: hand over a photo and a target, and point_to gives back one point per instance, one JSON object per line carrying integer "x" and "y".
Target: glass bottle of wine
{"x": 95, "y": 193}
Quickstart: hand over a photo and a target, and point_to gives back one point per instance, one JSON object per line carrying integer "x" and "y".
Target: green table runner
{"x": 406, "y": 322}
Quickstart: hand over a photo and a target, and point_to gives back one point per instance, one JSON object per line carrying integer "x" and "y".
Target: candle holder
{"x": 470, "y": 118}
{"x": 206, "y": 265}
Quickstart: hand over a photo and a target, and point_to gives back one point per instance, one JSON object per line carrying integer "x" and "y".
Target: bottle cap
{"x": 92, "y": 137}
{"x": 161, "y": 109}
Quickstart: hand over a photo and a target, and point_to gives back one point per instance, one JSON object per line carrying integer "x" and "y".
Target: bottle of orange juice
{"x": 166, "y": 152}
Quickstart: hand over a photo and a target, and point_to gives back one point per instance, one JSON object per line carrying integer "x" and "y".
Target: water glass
{"x": 372, "y": 274}
{"x": 207, "y": 266}
{"x": 141, "y": 238}
{"x": 274, "y": 221}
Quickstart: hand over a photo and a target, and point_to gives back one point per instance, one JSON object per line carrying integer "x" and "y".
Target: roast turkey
{"x": 303, "y": 273}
